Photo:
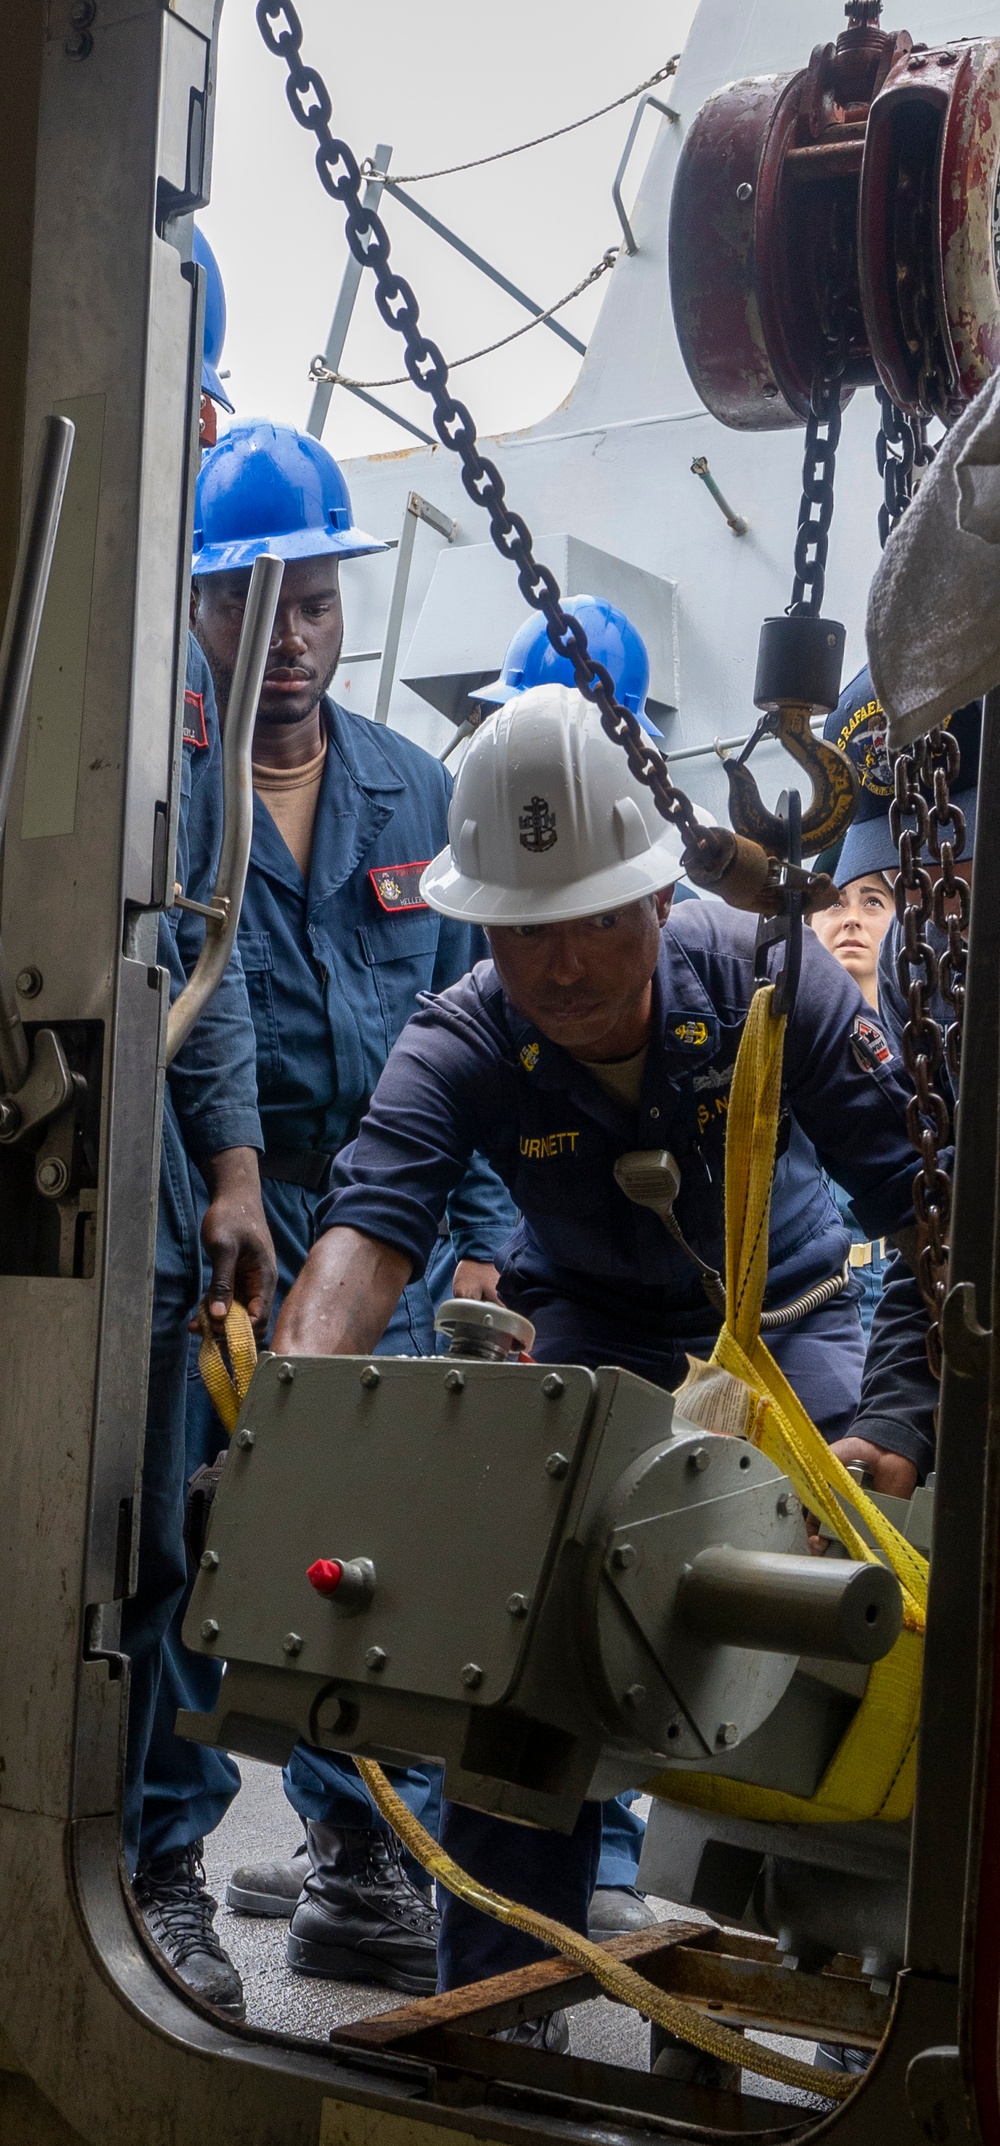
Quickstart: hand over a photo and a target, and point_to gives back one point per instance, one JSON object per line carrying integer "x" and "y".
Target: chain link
{"x": 902, "y": 452}
{"x": 340, "y": 175}
{"x": 929, "y": 771}
{"x": 838, "y": 286}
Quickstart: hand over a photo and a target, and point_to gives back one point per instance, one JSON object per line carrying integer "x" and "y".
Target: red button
{"x": 325, "y": 1575}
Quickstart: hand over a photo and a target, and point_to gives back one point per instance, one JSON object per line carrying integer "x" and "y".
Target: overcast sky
{"x": 441, "y": 83}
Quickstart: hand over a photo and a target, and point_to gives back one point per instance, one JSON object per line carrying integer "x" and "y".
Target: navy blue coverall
{"x": 601, "y": 1278}
{"x": 334, "y": 967}
{"x": 210, "y": 1104}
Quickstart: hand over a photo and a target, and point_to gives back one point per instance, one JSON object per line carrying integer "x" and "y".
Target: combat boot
{"x": 269, "y": 1888}
{"x": 617, "y": 1910}
{"x": 551, "y": 2033}
{"x": 178, "y": 1911}
{"x": 360, "y": 1919}
{"x": 670, "y": 2058}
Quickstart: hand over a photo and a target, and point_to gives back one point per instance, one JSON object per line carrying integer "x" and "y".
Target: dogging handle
{"x": 832, "y": 1608}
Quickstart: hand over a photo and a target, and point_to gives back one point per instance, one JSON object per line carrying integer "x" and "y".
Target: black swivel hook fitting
{"x": 784, "y": 929}
{"x": 799, "y": 665}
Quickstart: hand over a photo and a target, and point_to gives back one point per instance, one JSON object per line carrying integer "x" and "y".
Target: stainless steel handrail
{"x": 616, "y": 185}
{"x": 237, "y": 798}
{"x": 17, "y": 660}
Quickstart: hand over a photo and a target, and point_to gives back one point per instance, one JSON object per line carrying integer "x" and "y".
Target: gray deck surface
{"x": 260, "y": 1825}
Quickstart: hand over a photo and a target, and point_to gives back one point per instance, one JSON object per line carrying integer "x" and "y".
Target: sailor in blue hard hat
{"x": 612, "y": 640}
{"x": 268, "y": 488}
{"x": 212, "y": 390}
{"x": 337, "y": 943}
{"x": 213, "y": 1240}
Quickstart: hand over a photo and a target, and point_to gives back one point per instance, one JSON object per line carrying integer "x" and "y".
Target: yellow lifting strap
{"x": 873, "y": 1772}
{"x": 228, "y": 1388}
{"x": 615, "y": 1976}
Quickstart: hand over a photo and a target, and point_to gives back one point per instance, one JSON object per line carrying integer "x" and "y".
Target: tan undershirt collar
{"x": 621, "y": 1077}
{"x": 291, "y": 795}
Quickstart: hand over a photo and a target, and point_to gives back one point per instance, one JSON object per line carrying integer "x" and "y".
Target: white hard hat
{"x": 546, "y": 822}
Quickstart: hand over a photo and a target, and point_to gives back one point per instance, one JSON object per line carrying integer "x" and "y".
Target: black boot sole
{"x": 336, "y": 1963}
{"x": 279, "y": 1905}
{"x": 225, "y": 2011}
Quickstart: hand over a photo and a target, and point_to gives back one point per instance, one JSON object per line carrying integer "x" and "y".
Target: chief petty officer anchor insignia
{"x": 537, "y": 826}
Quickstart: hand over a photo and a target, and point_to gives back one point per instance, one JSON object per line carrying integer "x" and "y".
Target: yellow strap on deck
{"x": 615, "y": 1976}
{"x": 872, "y": 1774}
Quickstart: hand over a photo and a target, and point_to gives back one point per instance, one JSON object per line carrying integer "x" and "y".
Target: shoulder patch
{"x": 869, "y": 1044}
{"x": 397, "y": 886}
{"x": 194, "y": 732}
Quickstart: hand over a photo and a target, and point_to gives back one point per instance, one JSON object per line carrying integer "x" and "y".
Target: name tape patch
{"x": 548, "y": 1145}
{"x": 397, "y": 886}
{"x": 869, "y": 1044}
{"x": 195, "y": 732}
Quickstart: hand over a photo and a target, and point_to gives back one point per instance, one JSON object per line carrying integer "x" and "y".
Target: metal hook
{"x": 798, "y": 675}
{"x": 834, "y": 785}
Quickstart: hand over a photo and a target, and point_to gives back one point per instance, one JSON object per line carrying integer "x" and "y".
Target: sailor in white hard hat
{"x": 602, "y": 1026}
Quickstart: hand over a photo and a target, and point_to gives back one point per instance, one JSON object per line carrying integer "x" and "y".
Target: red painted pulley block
{"x": 857, "y": 199}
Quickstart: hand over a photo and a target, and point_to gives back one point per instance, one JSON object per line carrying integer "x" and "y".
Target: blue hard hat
{"x": 612, "y": 640}
{"x": 860, "y": 727}
{"x": 215, "y": 321}
{"x": 269, "y": 488}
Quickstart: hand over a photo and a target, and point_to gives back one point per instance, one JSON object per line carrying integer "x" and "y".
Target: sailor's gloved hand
{"x": 891, "y": 1473}
{"x": 237, "y": 1240}
{"x": 476, "y": 1278}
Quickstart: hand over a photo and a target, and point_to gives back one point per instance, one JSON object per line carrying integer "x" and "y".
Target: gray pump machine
{"x": 551, "y": 1582}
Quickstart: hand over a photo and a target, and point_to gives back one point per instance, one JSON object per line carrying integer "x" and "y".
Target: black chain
{"x": 928, "y": 771}
{"x": 838, "y": 288}
{"x": 914, "y": 248}
{"x": 340, "y": 175}
{"x": 901, "y": 450}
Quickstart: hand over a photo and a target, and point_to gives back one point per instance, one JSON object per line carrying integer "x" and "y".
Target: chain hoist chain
{"x": 930, "y": 770}
{"x": 341, "y": 177}
{"x": 932, "y": 376}
{"x": 837, "y": 290}
{"x": 901, "y": 449}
